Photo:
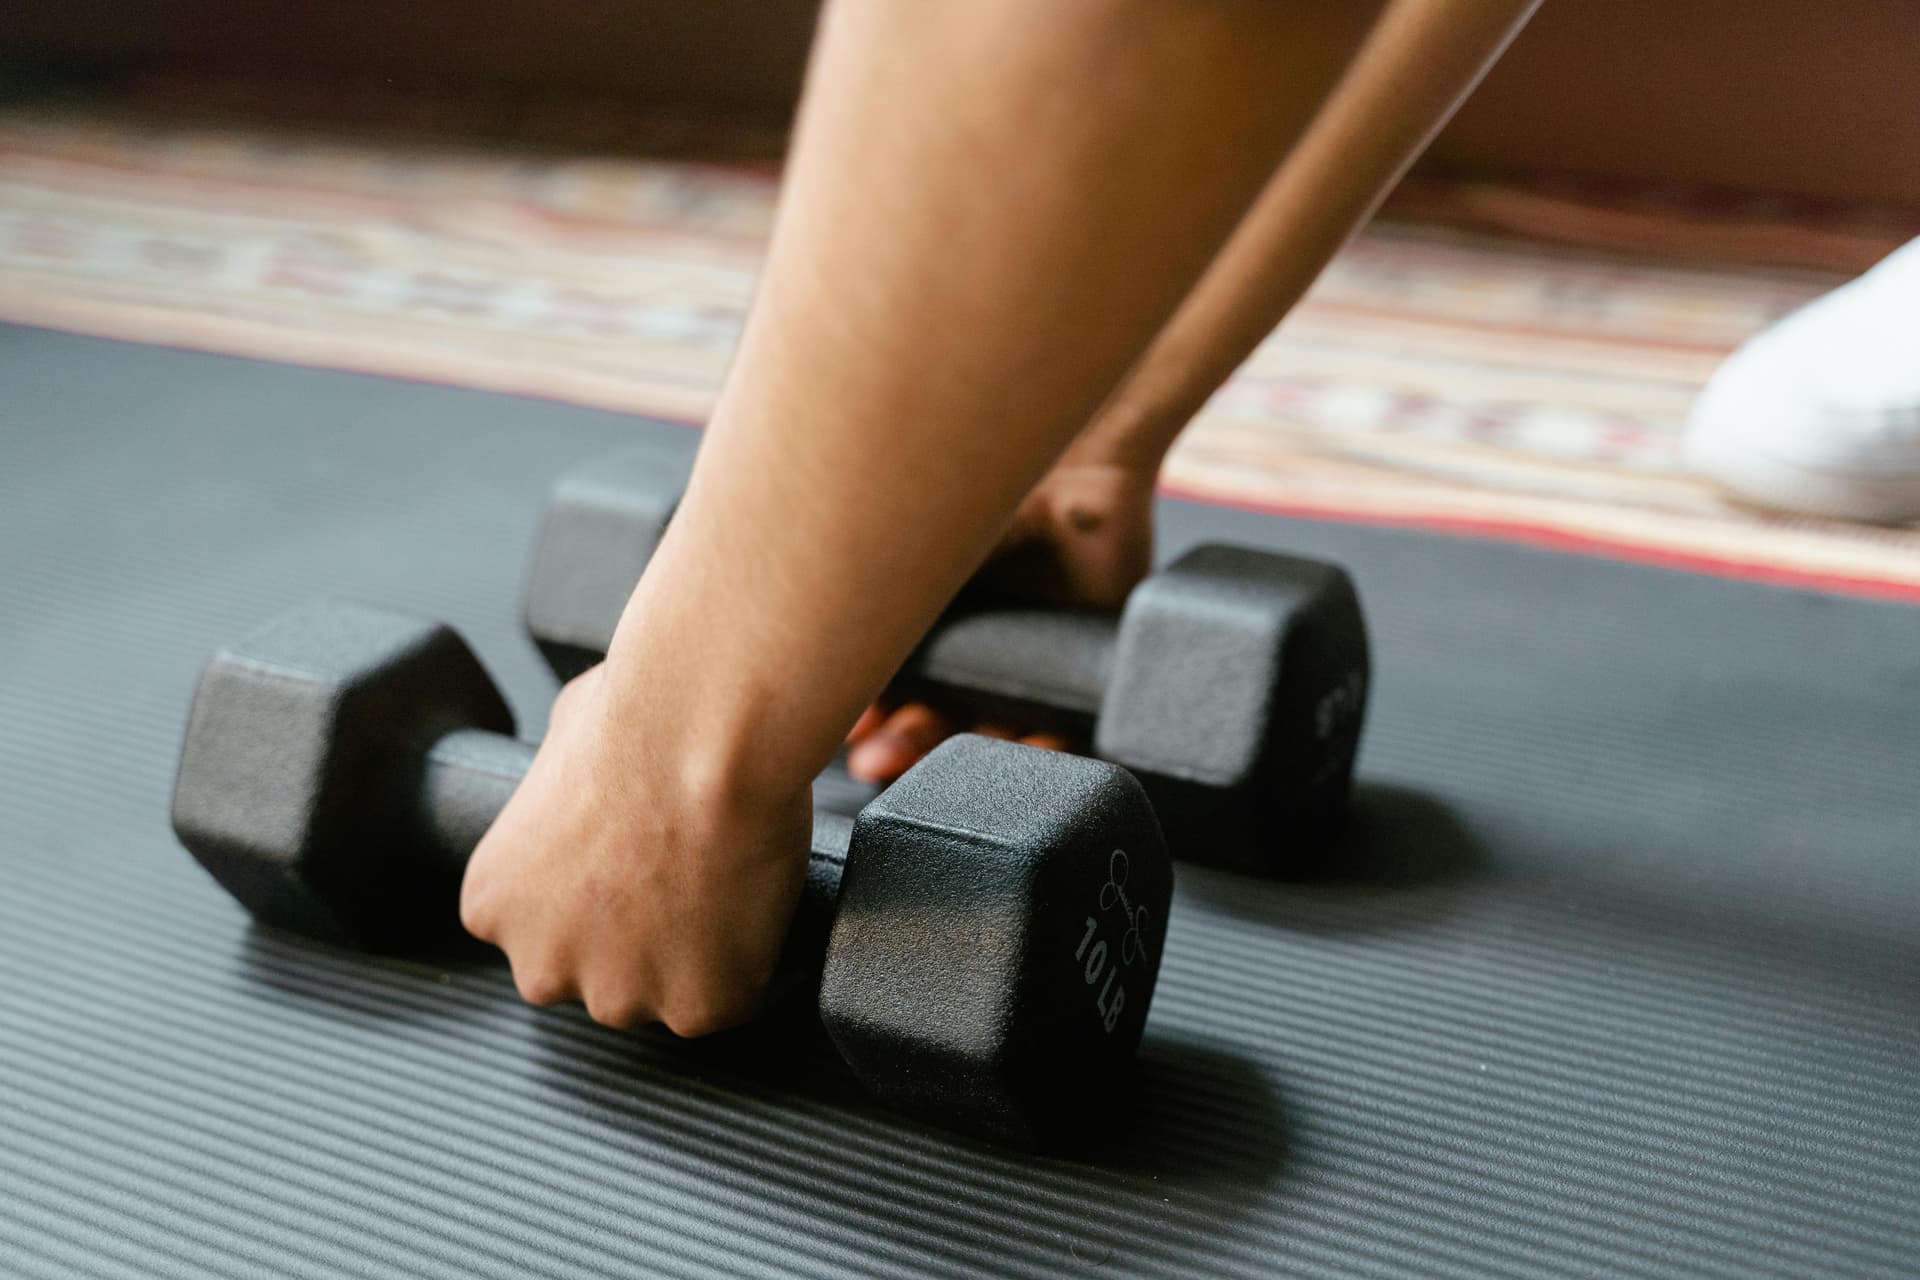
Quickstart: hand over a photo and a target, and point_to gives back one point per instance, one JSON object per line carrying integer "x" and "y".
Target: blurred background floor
{"x": 1512, "y": 359}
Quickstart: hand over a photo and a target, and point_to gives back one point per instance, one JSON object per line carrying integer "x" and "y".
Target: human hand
{"x": 1083, "y": 537}
{"x": 636, "y": 878}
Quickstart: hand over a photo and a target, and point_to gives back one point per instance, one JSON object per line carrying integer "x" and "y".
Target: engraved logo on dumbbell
{"x": 1133, "y": 946}
{"x": 1092, "y": 952}
{"x": 1339, "y": 704}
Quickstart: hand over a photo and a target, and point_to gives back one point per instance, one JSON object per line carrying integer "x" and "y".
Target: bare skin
{"x": 932, "y": 252}
{"x": 1092, "y": 516}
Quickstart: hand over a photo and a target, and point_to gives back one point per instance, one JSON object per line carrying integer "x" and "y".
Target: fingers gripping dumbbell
{"x": 985, "y": 934}
{"x": 1233, "y": 684}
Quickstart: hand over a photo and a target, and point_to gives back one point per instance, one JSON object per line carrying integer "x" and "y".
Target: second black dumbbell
{"x": 1233, "y": 684}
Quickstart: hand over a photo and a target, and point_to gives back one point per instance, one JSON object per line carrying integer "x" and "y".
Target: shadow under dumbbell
{"x": 1185, "y": 1104}
{"x": 783, "y": 1051}
{"x": 1195, "y": 1123}
{"x": 1402, "y": 858}
{"x": 445, "y": 981}
{"x": 1202, "y": 1118}
{"x": 1397, "y": 837}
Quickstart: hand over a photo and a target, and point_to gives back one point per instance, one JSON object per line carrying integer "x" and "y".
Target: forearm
{"x": 990, "y": 209}
{"x": 1416, "y": 67}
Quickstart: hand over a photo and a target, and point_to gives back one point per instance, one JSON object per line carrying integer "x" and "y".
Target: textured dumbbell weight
{"x": 1233, "y": 683}
{"x": 600, "y": 527}
{"x": 985, "y": 934}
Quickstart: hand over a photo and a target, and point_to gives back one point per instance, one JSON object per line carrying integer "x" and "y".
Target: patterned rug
{"x": 1504, "y": 361}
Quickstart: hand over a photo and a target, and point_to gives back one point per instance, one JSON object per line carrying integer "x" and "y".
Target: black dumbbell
{"x": 1233, "y": 684}
{"x": 986, "y": 933}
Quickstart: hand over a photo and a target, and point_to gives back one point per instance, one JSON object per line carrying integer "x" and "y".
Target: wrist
{"x": 692, "y": 687}
{"x": 1124, "y": 439}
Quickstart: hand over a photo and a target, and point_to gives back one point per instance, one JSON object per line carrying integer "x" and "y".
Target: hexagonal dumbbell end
{"x": 998, "y": 937}
{"x": 1238, "y": 690}
{"x": 301, "y": 772}
{"x": 601, "y": 526}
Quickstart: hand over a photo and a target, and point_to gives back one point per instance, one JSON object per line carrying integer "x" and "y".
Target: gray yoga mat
{"x": 1622, "y": 981}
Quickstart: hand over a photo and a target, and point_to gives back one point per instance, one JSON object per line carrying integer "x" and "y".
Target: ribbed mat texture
{"x": 1622, "y": 982}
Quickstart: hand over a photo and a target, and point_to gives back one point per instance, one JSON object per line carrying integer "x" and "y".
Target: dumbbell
{"x": 1233, "y": 684}
{"x": 985, "y": 934}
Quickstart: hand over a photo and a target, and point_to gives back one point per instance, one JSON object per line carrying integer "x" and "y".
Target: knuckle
{"x": 690, "y": 1022}
{"x": 620, "y": 1009}
{"x": 541, "y": 984}
{"x": 476, "y": 914}
{"x": 572, "y": 692}
{"x": 704, "y": 1013}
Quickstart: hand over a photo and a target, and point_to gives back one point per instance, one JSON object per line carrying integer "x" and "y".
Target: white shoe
{"x": 1820, "y": 414}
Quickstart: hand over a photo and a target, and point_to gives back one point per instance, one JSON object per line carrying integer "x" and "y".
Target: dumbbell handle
{"x": 1048, "y": 660}
{"x": 470, "y": 774}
